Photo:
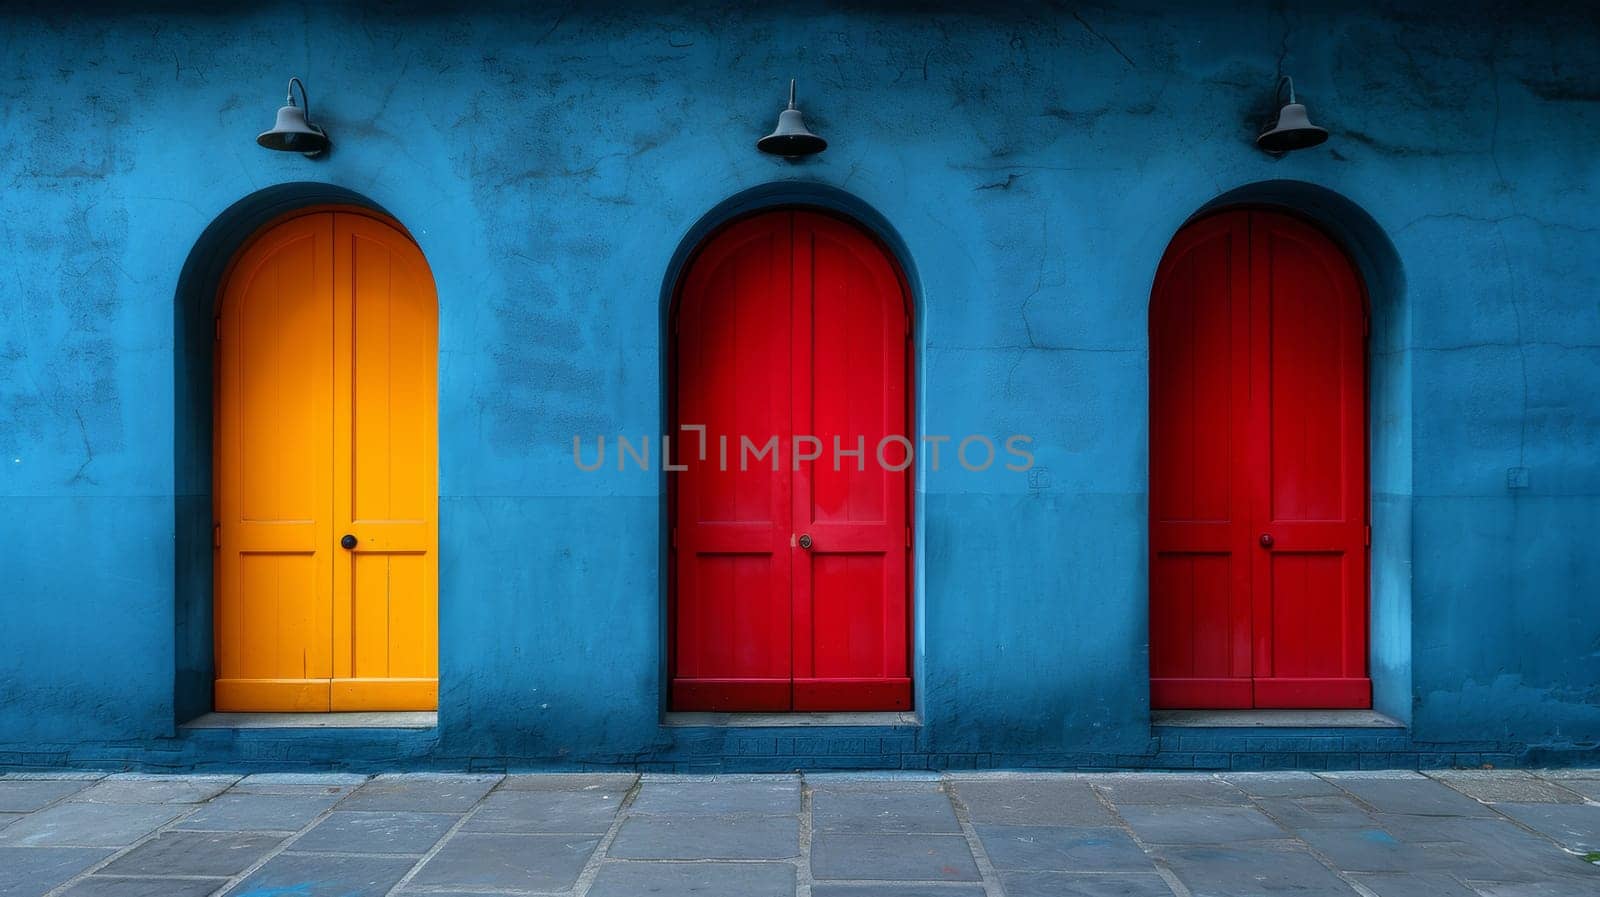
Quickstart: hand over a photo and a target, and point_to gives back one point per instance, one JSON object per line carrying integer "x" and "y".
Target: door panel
{"x": 274, "y": 586}
{"x": 385, "y": 480}
{"x": 1307, "y": 592}
{"x": 850, "y": 390}
{"x": 1309, "y": 351}
{"x": 1199, "y": 527}
{"x": 733, "y": 621}
{"x": 325, "y": 392}
{"x": 1257, "y": 469}
{"x": 790, "y": 323}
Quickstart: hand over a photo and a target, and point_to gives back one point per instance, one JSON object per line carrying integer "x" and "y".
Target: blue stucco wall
{"x": 1031, "y": 167}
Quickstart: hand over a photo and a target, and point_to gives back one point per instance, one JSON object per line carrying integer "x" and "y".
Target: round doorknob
{"x": 1266, "y": 540}
{"x": 348, "y": 542}
{"x": 805, "y": 541}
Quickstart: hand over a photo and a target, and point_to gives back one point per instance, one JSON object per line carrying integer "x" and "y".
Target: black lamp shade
{"x": 1294, "y": 131}
{"x": 791, "y": 138}
{"x": 293, "y": 133}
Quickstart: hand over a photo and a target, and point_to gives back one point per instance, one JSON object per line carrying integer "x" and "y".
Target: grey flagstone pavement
{"x": 1461, "y": 833}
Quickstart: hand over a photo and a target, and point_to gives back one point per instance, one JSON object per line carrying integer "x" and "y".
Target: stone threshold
{"x": 1274, "y": 719}
{"x": 356, "y": 720}
{"x": 791, "y": 720}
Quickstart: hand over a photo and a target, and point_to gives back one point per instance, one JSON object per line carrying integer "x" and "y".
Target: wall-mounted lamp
{"x": 1294, "y": 129}
{"x": 791, "y": 138}
{"x": 294, "y": 133}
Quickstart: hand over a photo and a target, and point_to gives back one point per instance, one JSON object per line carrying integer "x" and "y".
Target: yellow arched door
{"x": 326, "y": 492}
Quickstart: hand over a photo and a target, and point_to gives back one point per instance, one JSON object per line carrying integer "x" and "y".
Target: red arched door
{"x": 1258, "y": 469}
{"x": 791, "y": 337}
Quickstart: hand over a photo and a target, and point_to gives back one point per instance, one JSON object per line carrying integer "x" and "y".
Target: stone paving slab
{"x": 878, "y": 889}
{"x": 1498, "y": 849}
{"x": 1375, "y": 850}
{"x": 87, "y": 825}
{"x": 421, "y": 793}
{"x": 1078, "y": 884}
{"x": 533, "y": 862}
{"x": 1576, "y": 828}
{"x": 1299, "y": 814}
{"x": 298, "y": 782}
{"x": 1467, "y": 833}
{"x": 1043, "y": 849}
{"x": 1281, "y": 784}
{"x": 546, "y": 811}
{"x": 779, "y": 796}
{"x": 109, "y": 886}
{"x": 1482, "y": 832}
{"x": 695, "y": 880}
{"x": 891, "y": 810}
{"x": 691, "y": 838}
{"x": 367, "y": 832}
{"x": 1253, "y": 871}
{"x": 28, "y": 795}
{"x": 208, "y": 854}
{"x": 1589, "y": 788}
{"x": 38, "y": 869}
{"x": 1170, "y": 788}
{"x": 617, "y": 783}
{"x": 154, "y": 789}
{"x": 311, "y": 875}
{"x": 254, "y": 812}
{"x": 1510, "y": 786}
{"x": 1412, "y": 796}
{"x": 1554, "y": 888}
{"x": 1200, "y": 824}
{"x": 450, "y": 892}
{"x": 1413, "y": 884}
{"x": 893, "y": 857}
{"x": 1032, "y": 801}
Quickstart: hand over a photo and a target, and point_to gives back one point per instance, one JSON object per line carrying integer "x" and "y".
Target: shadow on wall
{"x": 194, "y": 341}
{"x": 1389, "y": 419}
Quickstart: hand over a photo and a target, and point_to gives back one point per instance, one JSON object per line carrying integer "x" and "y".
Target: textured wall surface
{"x": 1031, "y": 167}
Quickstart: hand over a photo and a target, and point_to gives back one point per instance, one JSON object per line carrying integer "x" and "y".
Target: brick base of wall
{"x": 736, "y": 749}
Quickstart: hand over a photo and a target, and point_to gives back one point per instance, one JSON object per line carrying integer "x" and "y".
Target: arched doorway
{"x": 1258, "y": 468}
{"x": 326, "y": 475}
{"x": 790, "y": 340}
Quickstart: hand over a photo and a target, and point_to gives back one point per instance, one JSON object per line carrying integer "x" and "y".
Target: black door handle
{"x": 348, "y": 542}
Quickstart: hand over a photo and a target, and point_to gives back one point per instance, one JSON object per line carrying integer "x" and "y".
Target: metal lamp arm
{"x": 1277, "y": 95}
{"x": 305, "y": 98}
